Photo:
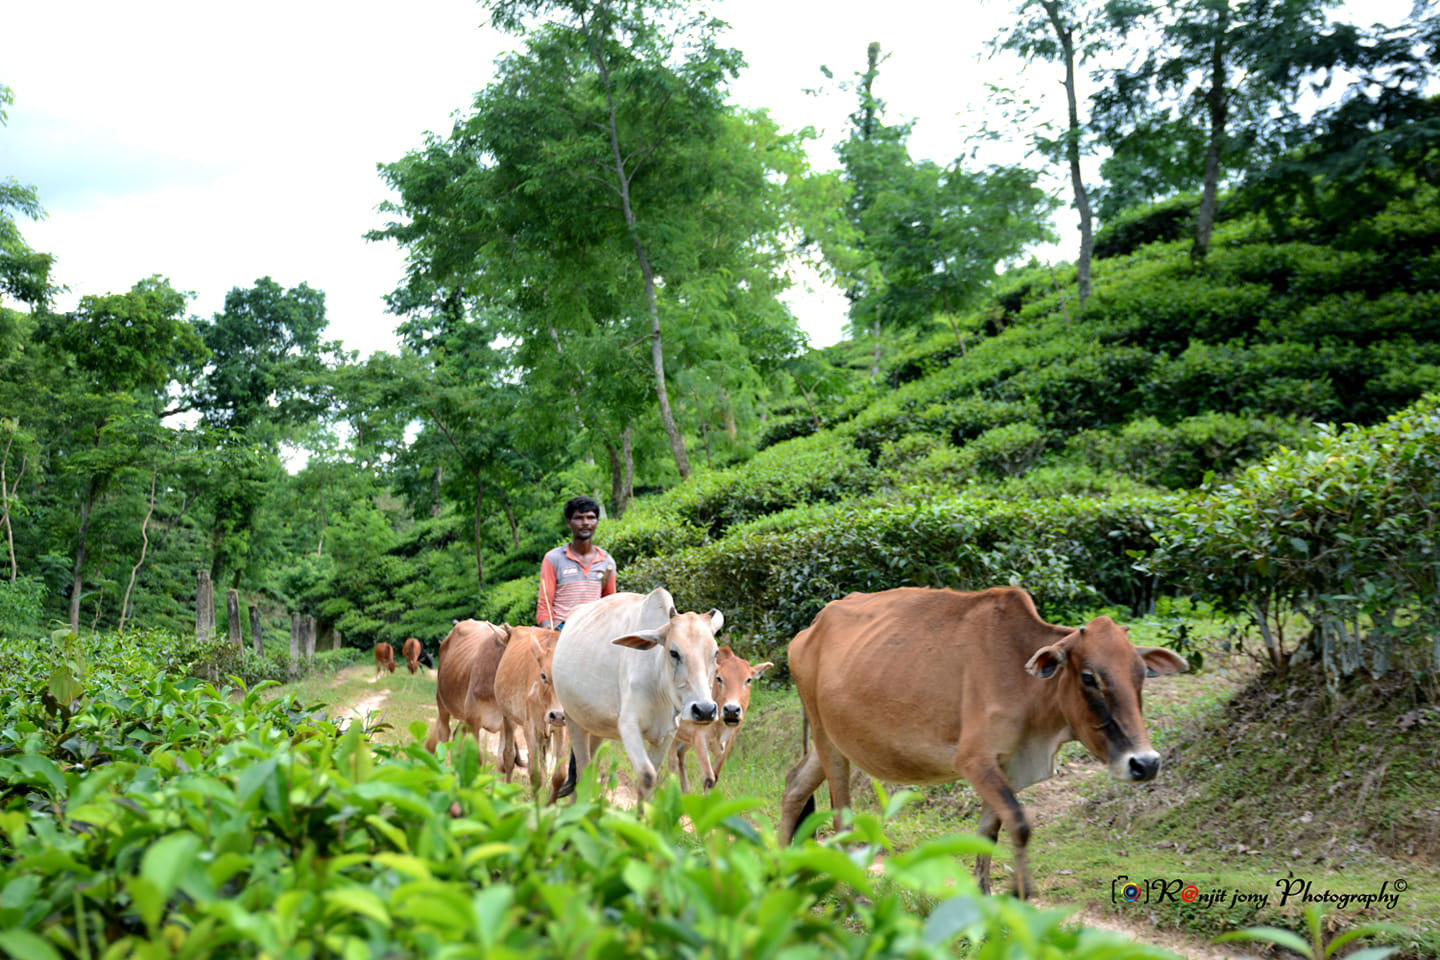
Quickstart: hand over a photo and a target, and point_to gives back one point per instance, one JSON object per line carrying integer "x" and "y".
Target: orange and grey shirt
{"x": 566, "y": 583}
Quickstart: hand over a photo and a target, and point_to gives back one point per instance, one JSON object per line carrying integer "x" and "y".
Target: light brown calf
{"x": 384, "y": 659}
{"x": 465, "y": 679}
{"x": 919, "y": 686}
{"x": 528, "y": 702}
{"x": 733, "y": 676}
{"x": 412, "y": 653}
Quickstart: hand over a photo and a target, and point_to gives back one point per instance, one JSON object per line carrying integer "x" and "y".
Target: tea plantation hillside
{"x": 1042, "y": 448}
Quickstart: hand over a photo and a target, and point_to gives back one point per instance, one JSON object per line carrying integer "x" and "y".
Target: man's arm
{"x": 544, "y": 600}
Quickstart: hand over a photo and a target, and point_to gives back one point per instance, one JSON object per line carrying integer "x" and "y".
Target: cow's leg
{"x": 639, "y": 753}
{"x": 983, "y": 772}
{"x": 725, "y": 747}
{"x": 989, "y": 828}
{"x": 680, "y": 766}
{"x": 702, "y": 756}
{"x": 508, "y": 750}
{"x": 440, "y": 729}
{"x": 537, "y": 741}
{"x": 801, "y": 782}
{"x": 837, "y": 772}
{"x": 562, "y": 753}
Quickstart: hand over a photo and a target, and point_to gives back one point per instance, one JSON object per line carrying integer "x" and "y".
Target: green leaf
{"x": 24, "y": 945}
{"x": 1281, "y": 938}
{"x": 951, "y": 918}
{"x": 358, "y": 900}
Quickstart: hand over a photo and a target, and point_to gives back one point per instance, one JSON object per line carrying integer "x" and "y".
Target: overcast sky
{"x": 217, "y": 143}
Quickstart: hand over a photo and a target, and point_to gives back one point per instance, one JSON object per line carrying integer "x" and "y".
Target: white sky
{"x": 217, "y": 143}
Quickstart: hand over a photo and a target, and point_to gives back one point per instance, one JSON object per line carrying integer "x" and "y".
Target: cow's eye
{"x": 675, "y": 655}
{"x": 719, "y": 679}
{"x": 1088, "y": 678}
{"x": 749, "y": 680}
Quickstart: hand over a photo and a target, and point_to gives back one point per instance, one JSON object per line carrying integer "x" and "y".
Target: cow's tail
{"x": 571, "y": 775}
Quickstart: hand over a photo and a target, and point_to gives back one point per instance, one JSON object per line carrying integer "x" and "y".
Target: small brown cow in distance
{"x": 412, "y": 651}
{"x": 384, "y": 659}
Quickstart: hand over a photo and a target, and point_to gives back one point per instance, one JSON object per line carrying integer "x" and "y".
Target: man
{"x": 577, "y": 572}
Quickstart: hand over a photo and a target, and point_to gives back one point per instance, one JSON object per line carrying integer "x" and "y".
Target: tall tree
{"x": 1210, "y": 76}
{"x": 928, "y": 238}
{"x": 1062, "y": 31}
{"x": 24, "y": 273}
{"x": 593, "y": 199}
{"x": 266, "y": 384}
{"x": 123, "y": 352}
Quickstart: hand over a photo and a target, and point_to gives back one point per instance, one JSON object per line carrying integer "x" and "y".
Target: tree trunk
{"x": 7, "y": 493}
{"x": 77, "y": 577}
{"x": 622, "y": 474}
{"x": 1065, "y": 34}
{"x": 144, "y": 547}
{"x": 1218, "y": 101}
{"x": 479, "y": 557}
{"x": 647, "y": 272}
{"x": 204, "y": 606}
{"x": 294, "y": 645}
{"x": 257, "y": 637}
{"x": 232, "y": 618}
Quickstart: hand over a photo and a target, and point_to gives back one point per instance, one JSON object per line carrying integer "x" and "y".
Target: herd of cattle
{"x": 912, "y": 685}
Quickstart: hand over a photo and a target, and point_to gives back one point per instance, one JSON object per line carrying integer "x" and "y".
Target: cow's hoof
{"x": 647, "y": 781}
{"x": 455, "y": 811}
{"x": 709, "y": 783}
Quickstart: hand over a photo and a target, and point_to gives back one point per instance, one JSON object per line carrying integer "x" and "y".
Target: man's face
{"x": 582, "y": 524}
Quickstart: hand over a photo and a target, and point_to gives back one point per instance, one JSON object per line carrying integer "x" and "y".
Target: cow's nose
{"x": 556, "y": 717}
{"x": 703, "y": 711}
{"x": 731, "y": 713}
{"x": 1144, "y": 766}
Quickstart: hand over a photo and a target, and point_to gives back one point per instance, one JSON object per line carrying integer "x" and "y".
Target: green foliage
{"x": 511, "y": 602}
{"x": 771, "y": 578}
{"x": 1340, "y": 530}
{"x": 21, "y": 607}
{"x": 152, "y": 816}
{"x": 1181, "y": 455}
{"x": 1164, "y": 222}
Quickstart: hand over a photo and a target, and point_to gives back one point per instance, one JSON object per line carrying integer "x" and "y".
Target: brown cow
{"x": 922, "y": 686}
{"x": 733, "y": 675}
{"x": 412, "y": 652}
{"x": 384, "y": 658}
{"x": 527, "y": 700}
{"x": 465, "y": 681}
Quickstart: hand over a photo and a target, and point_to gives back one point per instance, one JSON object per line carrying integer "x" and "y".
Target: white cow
{"x": 628, "y": 667}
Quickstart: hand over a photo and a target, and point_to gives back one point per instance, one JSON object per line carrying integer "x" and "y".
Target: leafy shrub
{"x": 1163, "y": 222}
{"x": 1181, "y": 455}
{"x": 511, "y": 602}
{"x": 22, "y": 607}
{"x": 1009, "y": 450}
{"x": 1341, "y": 530}
{"x": 770, "y": 580}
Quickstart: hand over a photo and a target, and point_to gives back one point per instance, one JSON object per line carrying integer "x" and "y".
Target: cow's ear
{"x": 723, "y": 654}
{"x": 1160, "y": 662}
{"x": 760, "y": 668}
{"x": 717, "y": 621}
{"x": 1045, "y": 662}
{"x": 643, "y": 640}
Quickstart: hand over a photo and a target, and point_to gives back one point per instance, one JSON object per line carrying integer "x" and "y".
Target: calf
{"x": 384, "y": 659}
{"x": 733, "y": 676}
{"x": 635, "y": 695}
{"x": 413, "y": 652}
{"x": 465, "y": 680}
{"x": 527, "y": 701}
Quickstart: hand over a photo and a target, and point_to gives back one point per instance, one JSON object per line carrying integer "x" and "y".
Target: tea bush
{"x": 1180, "y": 455}
{"x": 1342, "y": 530}
{"x": 771, "y": 579}
{"x": 154, "y": 816}
{"x": 21, "y": 607}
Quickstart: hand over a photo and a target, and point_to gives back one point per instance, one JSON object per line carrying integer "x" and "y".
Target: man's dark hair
{"x": 581, "y": 505}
